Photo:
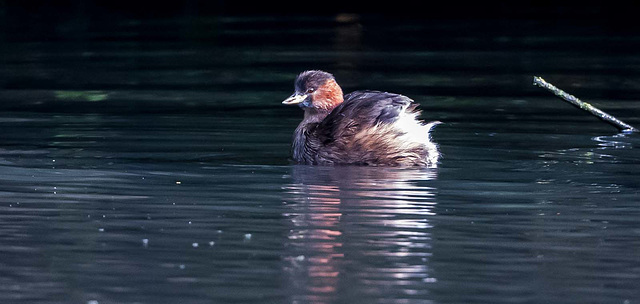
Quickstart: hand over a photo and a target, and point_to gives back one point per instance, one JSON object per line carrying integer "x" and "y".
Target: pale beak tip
{"x": 294, "y": 99}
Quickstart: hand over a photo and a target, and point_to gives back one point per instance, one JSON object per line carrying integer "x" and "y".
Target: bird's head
{"x": 315, "y": 90}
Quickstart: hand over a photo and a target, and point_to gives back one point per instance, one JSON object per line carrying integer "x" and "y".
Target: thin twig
{"x": 538, "y": 81}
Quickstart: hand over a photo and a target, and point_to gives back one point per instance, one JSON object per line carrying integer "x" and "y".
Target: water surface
{"x": 146, "y": 161}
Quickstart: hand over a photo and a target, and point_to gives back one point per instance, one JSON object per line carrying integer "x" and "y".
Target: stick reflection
{"x": 358, "y": 231}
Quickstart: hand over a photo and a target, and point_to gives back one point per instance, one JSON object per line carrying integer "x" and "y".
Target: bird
{"x": 365, "y": 128}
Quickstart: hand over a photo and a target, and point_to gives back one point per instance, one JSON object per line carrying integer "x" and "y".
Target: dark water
{"x": 146, "y": 161}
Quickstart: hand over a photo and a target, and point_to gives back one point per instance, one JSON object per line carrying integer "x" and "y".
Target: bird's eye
{"x": 310, "y": 90}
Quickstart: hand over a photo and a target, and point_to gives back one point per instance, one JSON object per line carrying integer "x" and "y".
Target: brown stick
{"x": 538, "y": 81}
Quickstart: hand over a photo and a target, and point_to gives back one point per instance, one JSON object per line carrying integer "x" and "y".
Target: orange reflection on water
{"x": 357, "y": 228}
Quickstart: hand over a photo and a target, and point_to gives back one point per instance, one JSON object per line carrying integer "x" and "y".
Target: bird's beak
{"x": 294, "y": 99}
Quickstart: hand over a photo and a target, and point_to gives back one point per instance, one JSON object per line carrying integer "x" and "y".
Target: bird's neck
{"x": 328, "y": 96}
{"x": 314, "y": 115}
{"x": 304, "y": 142}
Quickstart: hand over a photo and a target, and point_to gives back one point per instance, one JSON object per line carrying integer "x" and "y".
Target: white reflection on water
{"x": 618, "y": 141}
{"x": 358, "y": 232}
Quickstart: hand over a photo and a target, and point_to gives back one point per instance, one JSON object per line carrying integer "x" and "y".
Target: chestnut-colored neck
{"x": 328, "y": 96}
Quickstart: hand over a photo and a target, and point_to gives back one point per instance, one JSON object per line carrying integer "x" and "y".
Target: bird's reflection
{"x": 358, "y": 231}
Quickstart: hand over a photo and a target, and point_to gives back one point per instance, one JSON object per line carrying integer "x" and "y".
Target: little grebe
{"x": 361, "y": 128}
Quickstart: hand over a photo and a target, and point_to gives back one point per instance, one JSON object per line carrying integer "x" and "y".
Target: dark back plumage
{"x": 364, "y": 130}
{"x": 364, "y": 109}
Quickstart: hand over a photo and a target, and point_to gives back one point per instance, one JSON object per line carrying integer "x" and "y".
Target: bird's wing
{"x": 361, "y": 110}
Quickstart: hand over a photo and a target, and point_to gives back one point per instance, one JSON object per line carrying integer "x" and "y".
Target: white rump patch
{"x": 414, "y": 130}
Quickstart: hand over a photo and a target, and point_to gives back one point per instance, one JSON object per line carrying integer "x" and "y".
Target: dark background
{"x": 66, "y": 45}
{"x": 617, "y": 14}
{"x": 446, "y": 9}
